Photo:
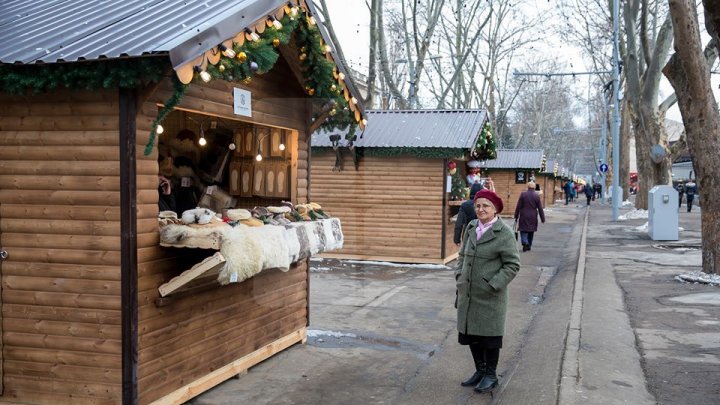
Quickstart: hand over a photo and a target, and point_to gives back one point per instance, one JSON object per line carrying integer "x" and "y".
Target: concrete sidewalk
{"x": 595, "y": 317}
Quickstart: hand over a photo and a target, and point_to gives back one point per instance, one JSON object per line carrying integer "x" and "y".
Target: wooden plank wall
{"x": 390, "y": 208}
{"x": 506, "y": 188}
{"x": 195, "y": 335}
{"x": 60, "y": 223}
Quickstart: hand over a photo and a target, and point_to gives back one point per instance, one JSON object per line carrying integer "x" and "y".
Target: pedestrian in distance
{"x": 567, "y": 188}
{"x": 589, "y": 193}
{"x": 598, "y": 190}
{"x": 690, "y": 191}
{"x": 487, "y": 262}
{"x": 466, "y": 214}
{"x": 526, "y": 214}
{"x": 681, "y": 190}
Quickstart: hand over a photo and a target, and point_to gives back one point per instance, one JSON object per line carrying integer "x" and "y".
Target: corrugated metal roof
{"x": 515, "y": 159}
{"x": 415, "y": 128}
{"x": 71, "y": 30}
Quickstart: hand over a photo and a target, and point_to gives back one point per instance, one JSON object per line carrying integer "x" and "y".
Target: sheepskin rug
{"x": 249, "y": 250}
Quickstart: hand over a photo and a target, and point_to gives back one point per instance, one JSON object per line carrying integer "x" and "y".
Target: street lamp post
{"x": 616, "y": 112}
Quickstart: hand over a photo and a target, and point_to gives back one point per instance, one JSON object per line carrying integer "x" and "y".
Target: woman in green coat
{"x": 487, "y": 262}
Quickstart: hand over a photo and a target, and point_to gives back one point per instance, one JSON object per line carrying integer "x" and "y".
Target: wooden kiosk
{"x": 82, "y": 322}
{"x": 511, "y": 171}
{"x": 390, "y": 188}
{"x": 550, "y": 183}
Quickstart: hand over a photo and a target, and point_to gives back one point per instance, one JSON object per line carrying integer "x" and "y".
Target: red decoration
{"x": 452, "y": 165}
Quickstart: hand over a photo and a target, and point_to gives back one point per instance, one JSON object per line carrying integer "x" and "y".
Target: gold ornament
{"x": 302, "y": 56}
{"x": 276, "y": 42}
{"x": 242, "y": 56}
{"x": 247, "y": 80}
{"x": 311, "y": 92}
{"x": 221, "y": 67}
{"x": 333, "y": 111}
{"x": 333, "y": 88}
{"x": 303, "y": 49}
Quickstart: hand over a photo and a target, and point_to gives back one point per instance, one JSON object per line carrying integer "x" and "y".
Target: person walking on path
{"x": 690, "y": 191}
{"x": 466, "y": 213}
{"x": 526, "y": 213}
{"x": 681, "y": 191}
{"x": 568, "y": 191}
{"x": 588, "y": 193}
{"x": 488, "y": 261}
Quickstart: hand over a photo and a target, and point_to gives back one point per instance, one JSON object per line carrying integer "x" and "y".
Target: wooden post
{"x": 128, "y": 245}
{"x": 444, "y": 210}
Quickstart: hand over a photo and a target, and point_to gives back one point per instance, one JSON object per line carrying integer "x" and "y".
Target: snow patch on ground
{"x": 391, "y": 264}
{"x": 634, "y": 214}
{"x": 313, "y": 333}
{"x": 316, "y": 259}
{"x": 627, "y": 202}
{"x": 699, "y": 277}
{"x": 641, "y": 228}
{"x": 320, "y": 269}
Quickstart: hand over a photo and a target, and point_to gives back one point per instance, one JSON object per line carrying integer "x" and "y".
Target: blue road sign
{"x": 604, "y": 168}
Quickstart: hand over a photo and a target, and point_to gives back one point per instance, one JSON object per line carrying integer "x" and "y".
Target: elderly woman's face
{"x": 485, "y": 210}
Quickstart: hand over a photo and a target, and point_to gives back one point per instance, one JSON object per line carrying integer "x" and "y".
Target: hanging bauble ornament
{"x": 452, "y": 171}
{"x": 333, "y": 111}
{"x": 333, "y": 88}
{"x": 242, "y": 56}
{"x": 276, "y": 42}
{"x": 247, "y": 80}
{"x": 302, "y": 56}
{"x": 254, "y": 66}
{"x": 303, "y": 49}
{"x": 221, "y": 67}
{"x": 311, "y": 92}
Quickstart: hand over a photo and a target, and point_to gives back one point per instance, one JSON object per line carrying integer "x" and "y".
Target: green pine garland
{"x": 261, "y": 56}
{"x": 457, "y": 190}
{"x": 93, "y": 75}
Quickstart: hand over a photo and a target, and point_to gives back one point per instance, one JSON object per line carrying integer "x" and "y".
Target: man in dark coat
{"x": 690, "y": 191}
{"x": 526, "y": 212}
{"x": 466, "y": 214}
{"x": 588, "y": 193}
{"x": 681, "y": 190}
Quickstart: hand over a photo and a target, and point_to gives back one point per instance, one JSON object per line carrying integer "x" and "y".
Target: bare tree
{"x": 689, "y": 73}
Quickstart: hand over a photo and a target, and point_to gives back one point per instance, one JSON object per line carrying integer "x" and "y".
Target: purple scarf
{"x": 482, "y": 228}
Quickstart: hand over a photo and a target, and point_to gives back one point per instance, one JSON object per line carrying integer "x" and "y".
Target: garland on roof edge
{"x": 429, "y": 153}
{"x": 253, "y": 57}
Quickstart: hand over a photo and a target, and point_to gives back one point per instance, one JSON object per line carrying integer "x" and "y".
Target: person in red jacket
{"x": 526, "y": 214}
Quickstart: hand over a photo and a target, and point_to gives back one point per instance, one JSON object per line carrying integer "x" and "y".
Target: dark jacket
{"x": 466, "y": 213}
{"x": 485, "y": 268}
{"x": 527, "y": 210}
{"x": 588, "y": 191}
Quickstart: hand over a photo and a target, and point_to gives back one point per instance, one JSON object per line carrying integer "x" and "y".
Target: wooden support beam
{"x": 211, "y": 263}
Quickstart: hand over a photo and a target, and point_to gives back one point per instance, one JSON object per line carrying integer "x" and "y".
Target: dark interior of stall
{"x": 220, "y": 164}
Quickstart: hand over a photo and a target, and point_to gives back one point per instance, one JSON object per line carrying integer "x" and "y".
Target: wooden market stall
{"x": 391, "y": 190}
{"x": 511, "y": 171}
{"x": 94, "y": 309}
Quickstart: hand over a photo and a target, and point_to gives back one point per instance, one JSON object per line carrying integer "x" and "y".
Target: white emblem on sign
{"x": 242, "y": 102}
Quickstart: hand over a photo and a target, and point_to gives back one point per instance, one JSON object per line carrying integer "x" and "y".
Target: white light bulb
{"x": 341, "y": 76}
{"x": 229, "y": 53}
{"x": 258, "y": 157}
{"x": 277, "y": 24}
{"x": 282, "y": 146}
{"x": 231, "y": 146}
{"x": 353, "y": 100}
{"x": 328, "y": 48}
{"x": 205, "y": 76}
{"x": 364, "y": 122}
{"x": 202, "y": 142}
{"x": 254, "y": 36}
{"x": 311, "y": 20}
{"x": 294, "y": 11}
{"x": 159, "y": 129}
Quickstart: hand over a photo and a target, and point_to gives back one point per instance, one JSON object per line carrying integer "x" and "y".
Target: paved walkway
{"x": 595, "y": 317}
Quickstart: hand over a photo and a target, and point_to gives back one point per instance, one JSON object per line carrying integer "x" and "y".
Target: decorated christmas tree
{"x": 457, "y": 192}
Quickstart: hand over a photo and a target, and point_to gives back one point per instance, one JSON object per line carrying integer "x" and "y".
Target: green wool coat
{"x": 485, "y": 268}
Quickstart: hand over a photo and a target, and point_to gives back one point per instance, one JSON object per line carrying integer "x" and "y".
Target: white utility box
{"x": 663, "y": 213}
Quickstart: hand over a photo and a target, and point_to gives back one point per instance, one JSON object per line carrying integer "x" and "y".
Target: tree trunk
{"x": 690, "y": 77}
{"x": 649, "y": 128}
{"x": 625, "y": 135}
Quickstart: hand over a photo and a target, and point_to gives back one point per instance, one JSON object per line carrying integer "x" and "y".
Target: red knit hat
{"x": 492, "y": 196}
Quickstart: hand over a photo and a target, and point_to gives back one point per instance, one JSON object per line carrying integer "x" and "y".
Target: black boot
{"x": 476, "y": 377}
{"x": 488, "y": 382}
